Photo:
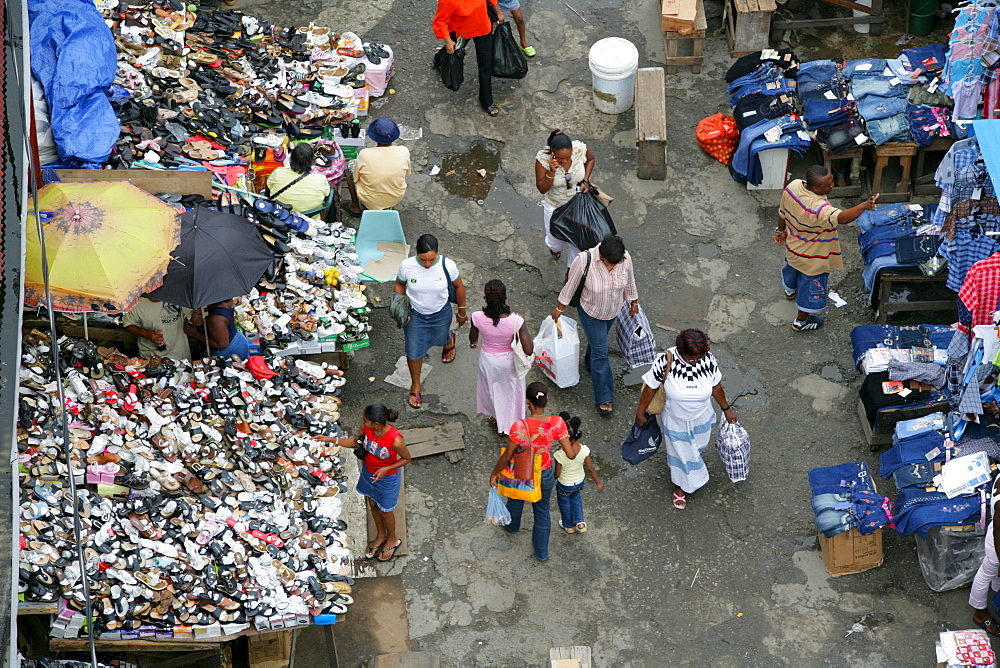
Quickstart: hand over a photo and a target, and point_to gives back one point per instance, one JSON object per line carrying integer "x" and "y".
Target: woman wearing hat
{"x": 377, "y": 178}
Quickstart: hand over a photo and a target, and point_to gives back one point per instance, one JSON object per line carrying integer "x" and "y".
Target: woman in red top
{"x": 540, "y": 432}
{"x": 471, "y": 20}
{"x": 385, "y": 453}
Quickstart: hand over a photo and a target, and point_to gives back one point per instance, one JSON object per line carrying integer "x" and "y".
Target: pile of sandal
{"x": 206, "y": 492}
{"x": 208, "y": 87}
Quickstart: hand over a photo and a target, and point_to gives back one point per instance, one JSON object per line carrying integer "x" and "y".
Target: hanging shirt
{"x": 812, "y": 244}
{"x": 687, "y": 387}
{"x": 980, "y": 291}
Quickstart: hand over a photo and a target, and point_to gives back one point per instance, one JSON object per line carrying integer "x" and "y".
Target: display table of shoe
{"x": 208, "y": 505}
{"x": 206, "y": 87}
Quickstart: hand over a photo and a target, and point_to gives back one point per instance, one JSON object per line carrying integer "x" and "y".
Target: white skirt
{"x": 499, "y": 392}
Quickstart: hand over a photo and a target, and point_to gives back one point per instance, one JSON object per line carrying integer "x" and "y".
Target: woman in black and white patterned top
{"x": 690, "y": 377}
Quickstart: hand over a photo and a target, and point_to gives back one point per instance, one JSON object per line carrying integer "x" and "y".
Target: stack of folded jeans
{"x": 823, "y": 94}
{"x": 757, "y": 107}
{"x": 784, "y": 132}
{"x": 767, "y": 78}
{"x": 918, "y": 510}
{"x": 782, "y": 58}
{"x": 844, "y": 498}
{"x": 895, "y": 235}
{"x": 881, "y": 99}
{"x": 898, "y": 337}
{"x": 926, "y": 123}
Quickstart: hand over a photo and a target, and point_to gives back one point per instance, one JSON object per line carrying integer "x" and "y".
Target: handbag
{"x": 575, "y": 300}
{"x": 452, "y": 293}
{"x": 522, "y": 360}
{"x": 642, "y": 442}
{"x": 359, "y": 450}
{"x": 602, "y": 196}
{"x": 659, "y": 399}
{"x": 451, "y": 65}
{"x": 529, "y": 490}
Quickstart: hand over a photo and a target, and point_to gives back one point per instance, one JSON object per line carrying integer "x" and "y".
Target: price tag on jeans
{"x": 887, "y": 72}
{"x": 863, "y": 67}
{"x": 860, "y": 139}
{"x": 850, "y": 96}
{"x": 829, "y": 95}
{"x": 769, "y": 54}
{"x": 933, "y": 86}
{"x": 803, "y": 135}
{"x": 773, "y": 135}
{"x": 894, "y": 81}
{"x": 933, "y": 454}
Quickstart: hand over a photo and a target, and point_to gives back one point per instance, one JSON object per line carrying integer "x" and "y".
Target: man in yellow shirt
{"x": 377, "y": 178}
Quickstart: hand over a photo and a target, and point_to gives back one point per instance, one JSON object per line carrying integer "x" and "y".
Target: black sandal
{"x": 492, "y": 110}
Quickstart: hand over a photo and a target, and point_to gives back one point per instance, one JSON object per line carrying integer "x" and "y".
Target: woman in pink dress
{"x": 499, "y": 392}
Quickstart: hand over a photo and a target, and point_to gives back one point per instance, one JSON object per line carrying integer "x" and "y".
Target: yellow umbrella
{"x": 107, "y": 244}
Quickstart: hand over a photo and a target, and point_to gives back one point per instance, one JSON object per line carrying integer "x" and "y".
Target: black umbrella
{"x": 220, "y": 256}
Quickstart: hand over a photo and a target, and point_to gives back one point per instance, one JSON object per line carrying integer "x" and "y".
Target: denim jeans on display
{"x": 864, "y": 87}
{"x": 893, "y": 128}
{"x": 863, "y": 67}
{"x": 919, "y": 474}
{"x": 871, "y": 273}
{"x": 911, "y": 450}
{"x": 918, "y": 426}
{"x": 779, "y": 86}
{"x": 877, "y": 107}
{"x": 881, "y": 240}
{"x": 869, "y": 510}
{"x": 823, "y": 112}
{"x": 828, "y": 479}
{"x": 887, "y": 214}
{"x": 822, "y": 502}
{"x": 810, "y": 90}
{"x": 832, "y": 522}
{"x": 758, "y": 107}
{"x": 928, "y": 58}
{"x": 745, "y": 165}
{"x": 542, "y": 526}
{"x": 570, "y": 503}
{"x": 817, "y": 70}
{"x": 841, "y": 135}
{"x": 926, "y": 123}
{"x": 765, "y": 72}
{"x": 916, "y": 511}
{"x": 601, "y": 376}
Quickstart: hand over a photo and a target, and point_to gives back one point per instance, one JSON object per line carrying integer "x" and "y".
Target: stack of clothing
{"x": 844, "y": 498}
{"x": 928, "y": 109}
{"x": 874, "y": 346}
{"x": 761, "y": 88}
{"x": 827, "y": 106}
{"x": 880, "y": 393}
{"x": 965, "y": 74}
{"x": 923, "y": 464}
{"x": 896, "y": 236}
{"x": 881, "y": 99}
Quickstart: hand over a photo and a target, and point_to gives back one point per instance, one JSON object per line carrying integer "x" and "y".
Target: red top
{"x": 379, "y": 451}
{"x": 541, "y": 433}
{"x": 466, "y": 18}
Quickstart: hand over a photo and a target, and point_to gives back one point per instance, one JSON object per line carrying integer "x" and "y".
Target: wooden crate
{"x": 651, "y": 123}
{"x": 673, "y": 38}
{"x": 748, "y": 25}
{"x": 679, "y": 15}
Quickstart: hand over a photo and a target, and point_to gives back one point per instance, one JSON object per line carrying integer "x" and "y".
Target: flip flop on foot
{"x": 419, "y": 402}
{"x": 555, "y": 254}
{"x": 351, "y": 211}
{"x": 529, "y": 51}
{"x": 988, "y": 625}
{"x": 391, "y": 550}
{"x": 606, "y": 409}
{"x": 492, "y": 110}
{"x": 680, "y": 500}
{"x": 445, "y": 358}
{"x": 372, "y": 550}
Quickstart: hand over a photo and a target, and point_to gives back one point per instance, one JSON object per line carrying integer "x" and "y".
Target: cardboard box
{"x": 678, "y": 15}
{"x": 356, "y": 345}
{"x": 273, "y": 650}
{"x": 850, "y": 552}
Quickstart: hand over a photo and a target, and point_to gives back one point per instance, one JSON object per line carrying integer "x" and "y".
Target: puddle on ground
{"x": 460, "y": 171}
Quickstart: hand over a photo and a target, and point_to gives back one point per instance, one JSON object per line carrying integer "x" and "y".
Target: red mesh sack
{"x": 718, "y": 136}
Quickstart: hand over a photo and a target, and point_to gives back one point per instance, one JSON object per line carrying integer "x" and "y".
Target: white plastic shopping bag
{"x": 557, "y": 351}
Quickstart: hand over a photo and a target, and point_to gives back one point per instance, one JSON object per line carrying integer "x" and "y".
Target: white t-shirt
{"x": 427, "y": 288}
{"x": 572, "y": 469}
{"x": 170, "y": 319}
{"x": 688, "y": 387}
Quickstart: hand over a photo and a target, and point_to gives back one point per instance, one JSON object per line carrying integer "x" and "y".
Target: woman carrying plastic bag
{"x": 557, "y": 351}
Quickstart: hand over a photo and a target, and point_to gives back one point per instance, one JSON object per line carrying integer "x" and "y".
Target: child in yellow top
{"x": 570, "y": 464}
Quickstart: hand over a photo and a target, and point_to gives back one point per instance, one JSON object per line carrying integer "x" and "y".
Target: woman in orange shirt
{"x": 470, "y": 19}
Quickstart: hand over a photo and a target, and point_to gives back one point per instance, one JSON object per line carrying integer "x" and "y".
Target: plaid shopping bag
{"x": 732, "y": 442}
{"x": 634, "y": 337}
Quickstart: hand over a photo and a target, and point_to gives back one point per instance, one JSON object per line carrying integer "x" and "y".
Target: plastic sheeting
{"x": 73, "y": 56}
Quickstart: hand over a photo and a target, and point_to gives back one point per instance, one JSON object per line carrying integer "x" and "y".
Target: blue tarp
{"x": 987, "y": 132}
{"x": 73, "y": 56}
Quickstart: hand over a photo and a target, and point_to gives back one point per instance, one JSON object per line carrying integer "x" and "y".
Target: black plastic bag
{"x": 509, "y": 62}
{"x": 582, "y": 221}
{"x": 451, "y": 65}
{"x": 642, "y": 442}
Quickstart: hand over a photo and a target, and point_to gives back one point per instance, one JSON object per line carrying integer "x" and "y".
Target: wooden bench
{"x": 651, "y": 123}
{"x": 885, "y": 306}
{"x": 901, "y": 191}
{"x": 873, "y": 16}
{"x": 672, "y": 40}
{"x": 923, "y": 183}
{"x": 852, "y": 155}
{"x": 748, "y": 25}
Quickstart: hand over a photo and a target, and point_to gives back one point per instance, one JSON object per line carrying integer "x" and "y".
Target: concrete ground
{"x": 737, "y": 578}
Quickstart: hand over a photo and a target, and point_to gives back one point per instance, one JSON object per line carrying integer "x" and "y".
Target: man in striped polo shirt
{"x": 807, "y": 228}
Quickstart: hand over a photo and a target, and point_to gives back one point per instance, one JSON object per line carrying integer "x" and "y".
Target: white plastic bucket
{"x": 613, "y": 62}
{"x": 862, "y": 28}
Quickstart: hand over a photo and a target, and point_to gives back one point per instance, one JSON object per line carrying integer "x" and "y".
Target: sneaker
{"x": 812, "y": 322}
{"x": 566, "y": 529}
{"x": 789, "y": 295}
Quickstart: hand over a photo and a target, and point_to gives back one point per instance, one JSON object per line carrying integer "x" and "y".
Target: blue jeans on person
{"x": 570, "y": 503}
{"x": 596, "y": 357}
{"x": 810, "y": 291}
{"x": 238, "y": 346}
{"x": 542, "y": 526}
{"x": 877, "y": 107}
{"x": 893, "y": 128}
{"x": 863, "y": 67}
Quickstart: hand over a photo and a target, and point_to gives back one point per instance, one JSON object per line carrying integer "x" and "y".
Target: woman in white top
{"x": 560, "y": 168}
{"x": 425, "y": 280}
{"x": 690, "y": 376}
{"x": 498, "y": 389}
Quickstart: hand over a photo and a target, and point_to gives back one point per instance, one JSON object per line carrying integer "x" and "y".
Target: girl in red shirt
{"x": 471, "y": 20}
